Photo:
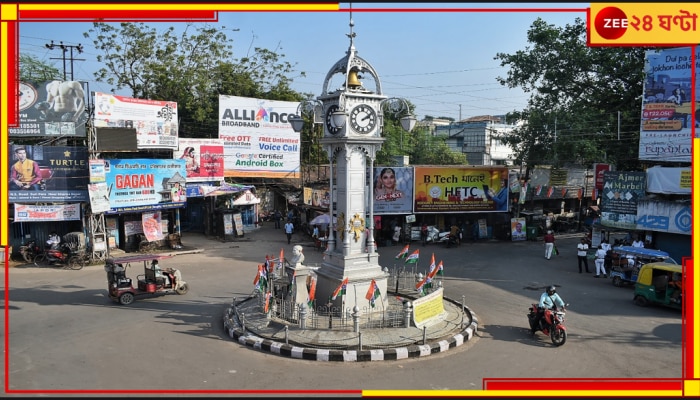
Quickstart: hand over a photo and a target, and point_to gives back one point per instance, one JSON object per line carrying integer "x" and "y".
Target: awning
{"x": 247, "y": 198}
{"x": 224, "y": 189}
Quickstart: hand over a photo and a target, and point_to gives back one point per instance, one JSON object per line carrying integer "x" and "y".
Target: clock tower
{"x": 353, "y": 121}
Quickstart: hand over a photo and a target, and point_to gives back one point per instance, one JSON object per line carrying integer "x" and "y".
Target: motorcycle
{"x": 29, "y": 250}
{"x": 551, "y": 323}
{"x": 61, "y": 254}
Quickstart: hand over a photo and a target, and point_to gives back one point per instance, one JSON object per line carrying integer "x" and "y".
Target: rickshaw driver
{"x": 676, "y": 283}
{"x": 171, "y": 274}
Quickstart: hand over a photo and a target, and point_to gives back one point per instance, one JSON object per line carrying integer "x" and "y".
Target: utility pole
{"x": 65, "y": 49}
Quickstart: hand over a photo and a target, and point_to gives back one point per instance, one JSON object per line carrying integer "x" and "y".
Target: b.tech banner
{"x": 258, "y": 139}
{"x": 37, "y": 213}
{"x": 155, "y": 121}
{"x": 460, "y": 188}
{"x": 666, "y": 126}
{"x": 139, "y": 182}
{"x": 41, "y": 174}
{"x": 53, "y": 108}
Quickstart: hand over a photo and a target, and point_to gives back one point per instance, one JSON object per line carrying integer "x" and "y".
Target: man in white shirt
{"x": 582, "y": 254}
{"x": 600, "y": 262}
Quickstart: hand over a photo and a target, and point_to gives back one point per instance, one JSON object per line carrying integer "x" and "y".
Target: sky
{"x": 441, "y": 61}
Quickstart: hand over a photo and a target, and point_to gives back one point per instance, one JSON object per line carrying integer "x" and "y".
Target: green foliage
{"x": 576, "y": 94}
{"x": 192, "y": 69}
{"x": 31, "y": 69}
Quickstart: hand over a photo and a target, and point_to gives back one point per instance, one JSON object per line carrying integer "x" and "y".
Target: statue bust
{"x": 297, "y": 256}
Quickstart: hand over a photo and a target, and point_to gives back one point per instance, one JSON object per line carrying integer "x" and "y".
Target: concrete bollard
{"x": 407, "y": 307}
{"x": 302, "y": 316}
{"x": 356, "y": 319}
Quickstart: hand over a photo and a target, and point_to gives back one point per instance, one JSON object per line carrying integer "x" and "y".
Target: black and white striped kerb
{"x": 236, "y": 332}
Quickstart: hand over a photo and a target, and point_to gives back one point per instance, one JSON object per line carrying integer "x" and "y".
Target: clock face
{"x": 27, "y": 96}
{"x": 332, "y": 129}
{"x": 363, "y": 119}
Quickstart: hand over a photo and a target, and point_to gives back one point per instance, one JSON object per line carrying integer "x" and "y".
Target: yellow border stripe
{"x": 195, "y": 7}
{"x": 4, "y": 94}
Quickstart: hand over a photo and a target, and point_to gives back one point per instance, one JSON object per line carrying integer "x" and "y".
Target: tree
{"x": 577, "y": 93}
{"x": 31, "y": 69}
{"x": 191, "y": 68}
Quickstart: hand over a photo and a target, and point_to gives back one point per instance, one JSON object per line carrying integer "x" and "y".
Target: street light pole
{"x": 65, "y": 48}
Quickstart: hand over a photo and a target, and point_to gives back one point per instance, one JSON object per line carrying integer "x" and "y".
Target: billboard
{"x": 53, "y": 108}
{"x": 204, "y": 159}
{"x": 461, "y": 189}
{"x": 155, "y": 121}
{"x": 621, "y": 192}
{"x": 142, "y": 184}
{"x": 393, "y": 190}
{"x": 667, "y": 107}
{"x": 40, "y": 174}
{"x": 258, "y": 139}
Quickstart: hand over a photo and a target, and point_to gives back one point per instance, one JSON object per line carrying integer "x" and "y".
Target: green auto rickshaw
{"x": 659, "y": 283}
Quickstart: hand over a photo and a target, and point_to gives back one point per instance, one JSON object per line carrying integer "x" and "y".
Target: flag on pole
{"x": 312, "y": 292}
{"x": 594, "y": 194}
{"x": 268, "y": 295}
{"x": 269, "y": 265}
{"x": 372, "y": 293}
{"x": 579, "y": 195}
{"x": 413, "y": 258}
{"x": 403, "y": 253}
{"x": 439, "y": 268}
{"x": 340, "y": 290}
{"x": 280, "y": 263}
{"x": 563, "y": 192}
{"x": 538, "y": 190}
{"x": 422, "y": 285}
{"x": 550, "y": 191}
{"x": 260, "y": 280}
{"x": 432, "y": 265}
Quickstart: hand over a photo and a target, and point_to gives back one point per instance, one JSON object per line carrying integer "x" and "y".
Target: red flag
{"x": 538, "y": 190}
{"x": 594, "y": 194}
{"x": 563, "y": 192}
{"x": 550, "y": 191}
{"x": 580, "y": 194}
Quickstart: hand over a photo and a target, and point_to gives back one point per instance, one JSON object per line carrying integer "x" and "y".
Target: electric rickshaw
{"x": 627, "y": 261}
{"x": 153, "y": 281}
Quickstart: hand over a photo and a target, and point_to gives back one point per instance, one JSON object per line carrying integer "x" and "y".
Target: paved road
{"x": 66, "y": 335}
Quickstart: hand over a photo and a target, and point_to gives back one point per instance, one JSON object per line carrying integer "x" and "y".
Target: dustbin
{"x": 531, "y": 233}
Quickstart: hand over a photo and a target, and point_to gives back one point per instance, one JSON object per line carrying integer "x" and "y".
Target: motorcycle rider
{"x": 548, "y": 300}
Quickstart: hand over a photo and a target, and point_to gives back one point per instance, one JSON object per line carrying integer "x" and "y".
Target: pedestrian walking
{"x": 582, "y": 254}
{"x": 600, "y": 262}
{"x": 548, "y": 244}
{"x": 278, "y": 219}
{"x": 289, "y": 229}
{"x": 424, "y": 233}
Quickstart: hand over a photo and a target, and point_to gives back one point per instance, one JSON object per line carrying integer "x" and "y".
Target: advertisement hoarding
{"x": 461, "y": 189}
{"x": 258, "y": 139}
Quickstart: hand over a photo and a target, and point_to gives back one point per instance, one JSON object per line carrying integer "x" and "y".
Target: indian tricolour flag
{"x": 403, "y": 253}
{"x": 413, "y": 258}
{"x": 372, "y": 293}
{"x": 312, "y": 293}
{"x": 432, "y": 265}
{"x": 340, "y": 290}
{"x": 439, "y": 268}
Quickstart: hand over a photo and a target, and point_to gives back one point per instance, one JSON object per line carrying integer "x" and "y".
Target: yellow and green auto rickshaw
{"x": 659, "y": 283}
